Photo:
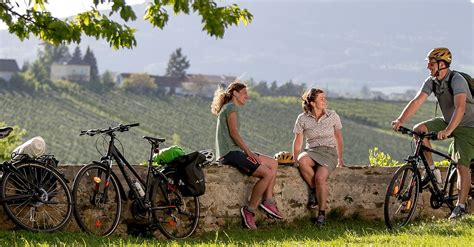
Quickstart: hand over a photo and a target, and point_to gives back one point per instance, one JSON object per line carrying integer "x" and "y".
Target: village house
{"x": 191, "y": 84}
{"x": 75, "y": 70}
{"x": 8, "y": 68}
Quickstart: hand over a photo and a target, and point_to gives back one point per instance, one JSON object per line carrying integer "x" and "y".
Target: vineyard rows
{"x": 267, "y": 125}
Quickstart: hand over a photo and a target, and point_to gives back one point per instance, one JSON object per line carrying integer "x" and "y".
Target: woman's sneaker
{"x": 248, "y": 218}
{"x": 271, "y": 209}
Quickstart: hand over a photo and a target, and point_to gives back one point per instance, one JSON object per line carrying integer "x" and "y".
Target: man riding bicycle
{"x": 457, "y": 106}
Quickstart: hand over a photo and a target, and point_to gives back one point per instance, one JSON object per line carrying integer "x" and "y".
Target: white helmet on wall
{"x": 208, "y": 154}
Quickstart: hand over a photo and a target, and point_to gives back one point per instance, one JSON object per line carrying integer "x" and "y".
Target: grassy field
{"x": 59, "y": 115}
{"x": 301, "y": 233}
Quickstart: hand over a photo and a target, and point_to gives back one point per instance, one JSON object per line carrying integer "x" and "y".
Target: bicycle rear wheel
{"x": 401, "y": 197}
{"x": 177, "y": 216}
{"x": 96, "y": 210}
{"x": 37, "y": 200}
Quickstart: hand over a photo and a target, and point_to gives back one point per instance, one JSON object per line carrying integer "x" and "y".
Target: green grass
{"x": 300, "y": 233}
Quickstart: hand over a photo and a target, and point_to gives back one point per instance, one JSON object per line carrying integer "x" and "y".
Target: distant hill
{"x": 338, "y": 45}
{"x": 267, "y": 123}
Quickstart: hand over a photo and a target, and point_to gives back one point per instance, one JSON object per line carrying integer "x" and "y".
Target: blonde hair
{"x": 309, "y": 96}
{"x": 223, "y": 96}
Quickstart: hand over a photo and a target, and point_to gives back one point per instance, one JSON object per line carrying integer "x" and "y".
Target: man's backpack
{"x": 469, "y": 79}
{"x": 191, "y": 174}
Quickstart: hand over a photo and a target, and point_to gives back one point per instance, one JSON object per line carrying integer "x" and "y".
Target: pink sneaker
{"x": 248, "y": 218}
{"x": 271, "y": 209}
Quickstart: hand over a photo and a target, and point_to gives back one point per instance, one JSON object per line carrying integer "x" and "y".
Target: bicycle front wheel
{"x": 36, "y": 198}
{"x": 177, "y": 216}
{"x": 453, "y": 190}
{"x": 401, "y": 197}
{"x": 97, "y": 200}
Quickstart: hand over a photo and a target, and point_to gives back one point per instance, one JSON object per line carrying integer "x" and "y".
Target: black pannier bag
{"x": 191, "y": 174}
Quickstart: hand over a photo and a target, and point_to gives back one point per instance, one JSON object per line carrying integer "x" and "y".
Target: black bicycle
{"x": 34, "y": 193}
{"x": 157, "y": 200}
{"x": 406, "y": 184}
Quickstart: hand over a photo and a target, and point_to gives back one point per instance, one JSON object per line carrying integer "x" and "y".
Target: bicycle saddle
{"x": 5, "y": 131}
{"x": 153, "y": 140}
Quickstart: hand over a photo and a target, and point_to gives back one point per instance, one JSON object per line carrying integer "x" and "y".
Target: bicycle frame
{"x": 113, "y": 153}
{"x": 418, "y": 155}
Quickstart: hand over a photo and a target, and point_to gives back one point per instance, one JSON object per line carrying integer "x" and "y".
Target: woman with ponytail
{"x": 232, "y": 150}
{"x": 321, "y": 128}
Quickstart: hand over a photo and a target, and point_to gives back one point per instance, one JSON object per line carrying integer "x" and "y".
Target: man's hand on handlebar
{"x": 396, "y": 124}
{"x": 444, "y": 134}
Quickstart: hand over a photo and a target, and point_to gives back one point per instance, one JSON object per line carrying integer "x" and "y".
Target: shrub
{"x": 379, "y": 158}
{"x": 9, "y": 143}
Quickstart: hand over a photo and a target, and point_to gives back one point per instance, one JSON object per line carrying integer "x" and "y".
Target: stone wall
{"x": 352, "y": 191}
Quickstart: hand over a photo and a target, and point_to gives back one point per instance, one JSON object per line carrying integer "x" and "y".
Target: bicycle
{"x": 34, "y": 194}
{"x": 157, "y": 200}
{"x": 406, "y": 184}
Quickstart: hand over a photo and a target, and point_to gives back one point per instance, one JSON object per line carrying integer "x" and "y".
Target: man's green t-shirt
{"x": 224, "y": 142}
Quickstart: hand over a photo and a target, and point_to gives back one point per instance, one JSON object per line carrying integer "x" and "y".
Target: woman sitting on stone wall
{"x": 232, "y": 150}
{"x": 324, "y": 146}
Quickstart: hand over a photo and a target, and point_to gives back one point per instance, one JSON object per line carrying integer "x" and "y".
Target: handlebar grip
{"x": 134, "y": 125}
{"x": 433, "y": 136}
{"x": 404, "y": 130}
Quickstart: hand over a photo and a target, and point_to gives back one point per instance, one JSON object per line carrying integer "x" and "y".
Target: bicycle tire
{"x": 48, "y": 205}
{"x": 401, "y": 197}
{"x": 91, "y": 213}
{"x": 452, "y": 191}
{"x": 179, "y": 222}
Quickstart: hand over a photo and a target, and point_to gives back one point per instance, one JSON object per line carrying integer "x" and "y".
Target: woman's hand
{"x": 340, "y": 163}
{"x": 254, "y": 156}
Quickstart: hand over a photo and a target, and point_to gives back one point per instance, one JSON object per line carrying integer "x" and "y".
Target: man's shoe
{"x": 457, "y": 213}
{"x": 271, "y": 209}
{"x": 248, "y": 218}
{"x": 312, "y": 200}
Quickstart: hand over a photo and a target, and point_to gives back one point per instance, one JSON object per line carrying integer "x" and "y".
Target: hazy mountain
{"x": 342, "y": 45}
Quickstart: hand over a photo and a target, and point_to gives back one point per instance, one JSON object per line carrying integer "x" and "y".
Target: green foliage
{"x": 37, "y": 20}
{"x": 89, "y": 58}
{"x": 10, "y": 142}
{"x": 177, "y": 65}
{"x": 287, "y": 89}
{"x": 140, "y": 83}
{"x": 379, "y": 158}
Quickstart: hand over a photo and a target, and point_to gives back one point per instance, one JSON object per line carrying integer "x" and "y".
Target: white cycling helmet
{"x": 208, "y": 154}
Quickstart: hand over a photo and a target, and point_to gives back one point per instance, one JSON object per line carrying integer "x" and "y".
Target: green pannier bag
{"x": 167, "y": 155}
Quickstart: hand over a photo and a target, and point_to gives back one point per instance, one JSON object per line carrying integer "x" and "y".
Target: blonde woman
{"x": 232, "y": 150}
{"x": 321, "y": 128}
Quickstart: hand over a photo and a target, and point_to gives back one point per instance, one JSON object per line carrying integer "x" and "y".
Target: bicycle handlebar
{"x": 429, "y": 135}
{"x": 5, "y": 131}
{"x": 120, "y": 128}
